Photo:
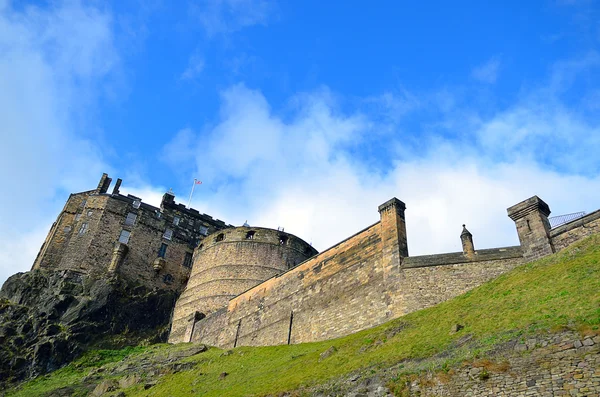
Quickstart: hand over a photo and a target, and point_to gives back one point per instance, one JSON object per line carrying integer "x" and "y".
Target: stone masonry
{"x": 108, "y": 234}
{"x": 257, "y": 286}
{"x": 564, "y": 364}
{"x": 361, "y": 282}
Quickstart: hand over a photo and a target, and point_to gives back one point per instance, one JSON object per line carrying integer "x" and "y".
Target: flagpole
{"x": 191, "y": 193}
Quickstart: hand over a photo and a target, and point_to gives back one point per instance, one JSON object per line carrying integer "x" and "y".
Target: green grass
{"x": 559, "y": 291}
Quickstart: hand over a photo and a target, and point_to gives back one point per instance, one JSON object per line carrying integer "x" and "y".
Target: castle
{"x": 256, "y": 286}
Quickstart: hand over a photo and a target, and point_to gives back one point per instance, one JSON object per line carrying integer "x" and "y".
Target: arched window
{"x": 220, "y": 237}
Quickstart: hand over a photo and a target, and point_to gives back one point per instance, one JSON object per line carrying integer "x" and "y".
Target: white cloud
{"x": 228, "y": 16}
{"x": 488, "y": 72}
{"x": 299, "y": 172}
{"x": 50, "y": 63}
{"x": 194, "y": 68}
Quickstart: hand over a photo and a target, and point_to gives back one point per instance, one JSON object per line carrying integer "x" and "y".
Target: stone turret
{"x": 467, "y": 242}
{"x": 393, "y": 233}
{"x": 531, "y": 219}
{"x": 230, "y": 262}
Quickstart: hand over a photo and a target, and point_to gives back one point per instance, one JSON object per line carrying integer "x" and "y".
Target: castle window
{"x": 162, "y": 251}
{"x": 250, "y": 235}
{"x": 89, "y": 213}
{"x": 124, "y": 237}
{"x": 130, "y": 220}
{"x": 168, "y": 234}
{"x": 82, "y": 203}
{"x": 176, "y": 220}
{"x": 136, "y": 203}
{"x": 203, "y": 230}
{"x": 187, "y": 262}
{"x": 168, "y": 279}
{"x": 158, "y": 214}
{"x": 83, "y": 228}
{"x": 220, "y": 237}
{"x": 77, "y": 217}
{"x": 67, "y": 229}
{"x": 283, "y": 240}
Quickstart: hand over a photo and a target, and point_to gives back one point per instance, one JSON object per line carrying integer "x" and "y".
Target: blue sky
{"x": 301, "y": 114}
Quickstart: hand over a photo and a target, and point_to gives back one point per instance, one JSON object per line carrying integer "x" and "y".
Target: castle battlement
{"x": 363, "y": 281}
{"x": 257, "y": 286}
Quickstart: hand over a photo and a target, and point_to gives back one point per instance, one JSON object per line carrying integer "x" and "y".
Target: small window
{"x": 77, "y": 217}
{"x": 124, "y": 237}
{"x": 220, "y": 237}
{"x": 67, "y": 229}
{"x": 158, "y": 214}
{"x": 168, "y": 279}
{"x": 283, "y": 240}
{"x": 136, "y": 203}
{"x": 203, "y": 230}
{"x": 250, "y": 235}
{"x": 168, "y": 234}
{"x": 130, "y": 220}
{"x": 83, "y": 203}
{"x": 83, "y": 228}
{"x": 187, "y": 262}
{"x": 201, "y": 246}
{"x": 89, "y": 213}
{"x": 162, "y": 251}
{"x": 176, "y": 220}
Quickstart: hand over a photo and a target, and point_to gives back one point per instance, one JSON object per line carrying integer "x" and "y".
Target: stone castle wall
{"x": 85, "y": 238}
{"x": 565, "y": 235}
{"x": 360, "y": 283}
{"x": 369, "y": 279}
{"x": 565, "y": 364}
{"x": 230, "y": 262}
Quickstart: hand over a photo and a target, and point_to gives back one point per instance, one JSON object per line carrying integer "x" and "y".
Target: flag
{"x": 198, "y": 182}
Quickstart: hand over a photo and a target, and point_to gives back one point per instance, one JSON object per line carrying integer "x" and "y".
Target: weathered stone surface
{"x": 86, "y": 238}
{"x": 49, "y": 318}
{"x": 229, "y": 263}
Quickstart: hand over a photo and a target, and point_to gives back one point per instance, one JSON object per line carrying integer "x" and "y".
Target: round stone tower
{"x": 230, "y": 262}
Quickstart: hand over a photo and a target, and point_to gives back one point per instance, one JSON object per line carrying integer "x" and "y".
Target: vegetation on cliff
{"x": 47, "y": 319}
{"x": 558, "y": 292}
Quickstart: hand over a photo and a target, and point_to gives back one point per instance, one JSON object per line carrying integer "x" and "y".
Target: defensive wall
{"x": 231, "y": 262}
{"x": 363, "y": 281}
{"x": 109, "y": 234}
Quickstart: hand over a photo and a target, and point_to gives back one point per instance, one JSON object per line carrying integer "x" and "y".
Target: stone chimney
{"x": 467, "y": 243}
{"x": 117, "y": 186}
{"x": 168, "y": 199}
{"x": 103, "y": 184}
{"x": 531, "y": 219}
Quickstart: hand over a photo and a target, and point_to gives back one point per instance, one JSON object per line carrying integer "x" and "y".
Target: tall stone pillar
{"x": 467, "y": 243}
{"x": 393, "y": 233}
{"x": 531, "y": 219}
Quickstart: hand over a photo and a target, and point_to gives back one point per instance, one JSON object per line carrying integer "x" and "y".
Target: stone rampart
{"x": 347, "y": 288}
{"x": 565, "y": 235}
{"x": 230, "y": 262}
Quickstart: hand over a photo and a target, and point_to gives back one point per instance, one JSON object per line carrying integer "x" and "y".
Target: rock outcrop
{"x": 49, "y": 318}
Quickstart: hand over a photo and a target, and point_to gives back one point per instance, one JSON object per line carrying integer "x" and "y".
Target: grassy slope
{"x": 558, "y": 291}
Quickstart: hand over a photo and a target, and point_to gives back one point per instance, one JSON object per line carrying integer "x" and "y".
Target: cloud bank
{"x": 51, "y": 60}
{"x": 299, "y": 169}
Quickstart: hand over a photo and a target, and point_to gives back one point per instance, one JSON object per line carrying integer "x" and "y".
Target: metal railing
{"x": 559, "y": 220}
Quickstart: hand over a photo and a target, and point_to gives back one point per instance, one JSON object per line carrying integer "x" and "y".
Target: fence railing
{"x": 559, "y": 220}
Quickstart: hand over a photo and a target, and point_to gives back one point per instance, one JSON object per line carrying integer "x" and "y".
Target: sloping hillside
{"x": 536, "y": 301}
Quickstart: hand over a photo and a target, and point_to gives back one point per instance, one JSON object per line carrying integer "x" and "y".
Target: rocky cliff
{"x": 49, "y": 318}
